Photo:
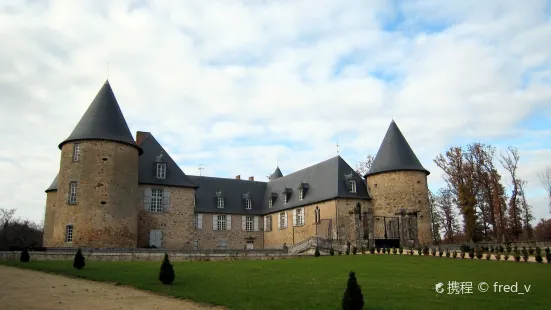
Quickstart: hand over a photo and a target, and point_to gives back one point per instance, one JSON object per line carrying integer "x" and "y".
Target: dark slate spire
{"x": 277, "y": 174}
{"x": 103, "y": 121}
{"x": 395, "y": 154}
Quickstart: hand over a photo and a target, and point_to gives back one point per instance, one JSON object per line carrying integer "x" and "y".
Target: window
{"x": 352, "y": 186}
{"x": 268, "y": 223}
{"x": 300, "y": 194}
{"x": 196, "y": 223}
{"x": 249, "y": 223}
{"x": 156, "y": 200}
{"x": 282, "y": 220}
{"x": 222, "y": 244}
{"x": 221, "y": 222}
{"x": 73, "y": 192}
{"x": 300, "y": 217}
{"x": 318, "y": 215}
{"x": 284, "y": 198}
{"x": 249, "y": 245}
{"x": 220, "y": 202}
{"x": 196, "y": 244}
{"x": 270, "y": 202}
{"x": 76, "y": 151}
{"x": 161, "y": 170}
{"x": 248, "y": 203}
{"x": 69, "y": 233}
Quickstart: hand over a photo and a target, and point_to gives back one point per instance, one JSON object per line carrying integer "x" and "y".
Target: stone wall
{"x": 392, "y": 191}
{"x": 150, "y": 256}
{"x": 275, "y": 238}
{"x": 105, "y": 214}
{"x": 346, "y": 231}
{"x": 49, "y": 218}
{"x": 176, "y": 223}
{"x": 235, "y": 238}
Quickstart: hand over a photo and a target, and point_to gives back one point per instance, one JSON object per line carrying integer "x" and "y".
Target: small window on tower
{"x": 76, "y": 151}
{"x": 161, "y": 170}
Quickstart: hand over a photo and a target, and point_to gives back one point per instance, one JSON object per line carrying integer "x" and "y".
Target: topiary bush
{"x": 433, "y": 252}
{"x": 317, "y": 252}
{"x": 347, "y": 251}
{"x": 400, "y": 250}
{"x": 548, "y": 257}
{"x": 331, "y": 251}
{"x": 538, "y": 250}
{"x": 488, "y": 256}
{"x": 479, "y": 254}
{"x": 463, "y": 255}
{"x": 448, "y": 253}
{"x": 547, "y": 250}
{"x": 394, "y": 251}
{"x": 354, "y": 250}
{"x": 419, "y": 251}
{"x": 539, "y": 259}
{"x": 471, "y": 254}
{"x": 454, "y": 254}
{"x": 25, "y": 257}
{"x": 517, "y": 256}
{"x": 372, "y": 250}
{"x": 378, "y": 250}
{"x": 79, "y": 261}
{"x": 525, "y": 255}
{"x": 166, "y": 275}
{"x": 506, "y": 256}
{"x": 498, "y": 256}
{"x": 426, "y": 250}
{"x": 353, "y": 298}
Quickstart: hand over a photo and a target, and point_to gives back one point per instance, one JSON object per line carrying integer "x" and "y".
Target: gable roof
{"x": 395, "y": 154}
{"x": 53, "y": 186}
{"x": 233, "y": 192}
{"x": 277, "y": 174}
{"x": 325, "y": 180}
{"x": 103, "y": 120}
{"x": 147, "y": 164}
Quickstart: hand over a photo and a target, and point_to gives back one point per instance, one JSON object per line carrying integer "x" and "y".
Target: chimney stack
{"x": 238, "y": 177}
{"x": 251, "y": 178}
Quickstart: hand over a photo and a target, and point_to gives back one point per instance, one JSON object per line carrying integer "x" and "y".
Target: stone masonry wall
{"x": 346, "y": 231}
{"x": 277, "y": 237}
{"x": 176, "y": 223}
{"x": 235, "y": 238}
{"x": 49, "y": 218}
{"x": 392, "y": 191}
{"x": 105, "y": 214}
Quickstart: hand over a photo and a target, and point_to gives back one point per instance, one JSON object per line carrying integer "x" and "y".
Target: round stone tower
{"x": 96, "y": 204}
{"x": 397, "y": 184}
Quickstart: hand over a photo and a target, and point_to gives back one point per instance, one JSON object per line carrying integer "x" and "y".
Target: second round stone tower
{"x": 97, "y": 199}
{"x": 397, "y": 184}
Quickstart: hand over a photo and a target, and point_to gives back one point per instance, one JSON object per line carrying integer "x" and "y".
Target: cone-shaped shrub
{"x": 317, "y": 252}
{"x": 167, "y": 272}
{"x": 79, "y": 262}
{"x": 331, "y": 251}
{"x": 353, "y": 298}
{"x": 25, "y": 257}
{"x": 539, "y": 259}
{"x": 354, "y": 250}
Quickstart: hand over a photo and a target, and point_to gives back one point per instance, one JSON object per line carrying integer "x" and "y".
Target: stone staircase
{"x": 310, "y": 244}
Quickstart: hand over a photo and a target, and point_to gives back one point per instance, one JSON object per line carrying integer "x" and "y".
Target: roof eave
{"x": 140, "y": 150}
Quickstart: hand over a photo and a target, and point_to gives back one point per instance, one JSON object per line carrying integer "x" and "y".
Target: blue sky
{"x": 238, "y": 85}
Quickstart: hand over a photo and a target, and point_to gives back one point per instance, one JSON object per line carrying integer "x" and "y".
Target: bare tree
{"x": 545, "y": 179}
{"x": 363, "y": 166}
{"x": 509, "y": 161}
{"x": 435, "y": 218}
{"x": 445, "y": 204}
{"x": 527, "y": 215}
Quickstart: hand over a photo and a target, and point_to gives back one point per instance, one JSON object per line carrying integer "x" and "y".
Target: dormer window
{"x": 270, "y": 202}
{"x": 284, "y": 198}
{"x": 300, "y": 194}
{"x": 352, "y": 186}
{"x": 76, "y": 151}
{"x": 161, "y": 170}
{"x": 220, "y": 203}
{"x": 248, "y": 203}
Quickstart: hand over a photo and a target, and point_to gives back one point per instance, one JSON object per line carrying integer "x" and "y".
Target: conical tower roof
{"x": 395, "y": 154}
{"x": 103, "y": 121}
{"x": 277, "y": 174}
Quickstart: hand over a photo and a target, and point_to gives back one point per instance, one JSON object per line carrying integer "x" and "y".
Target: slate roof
{"x": 232, "y": 190}
{"x": 147, "y": 167}
{"x": 325, "y": 180}
{"x": 53, "y": 186}
{"x": 277, "y": 174}
{"x": 395, "y": 154}
{"x": 103, "y": 120}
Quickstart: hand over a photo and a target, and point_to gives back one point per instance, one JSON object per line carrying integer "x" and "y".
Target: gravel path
{"x": 28, "y": 289}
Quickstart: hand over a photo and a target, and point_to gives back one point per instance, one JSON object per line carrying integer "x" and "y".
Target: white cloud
{"x": 233, "y": 84}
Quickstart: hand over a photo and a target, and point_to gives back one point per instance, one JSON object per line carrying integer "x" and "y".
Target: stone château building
{"x": 116, "y": 192}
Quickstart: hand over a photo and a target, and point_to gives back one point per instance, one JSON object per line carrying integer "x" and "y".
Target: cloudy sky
{"x": 240, "y": 85}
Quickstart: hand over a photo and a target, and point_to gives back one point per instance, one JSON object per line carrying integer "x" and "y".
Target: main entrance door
{"x": 386, "y": 230}
{"x": 156, "y": 238}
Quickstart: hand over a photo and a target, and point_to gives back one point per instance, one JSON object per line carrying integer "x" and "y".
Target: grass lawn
{"x": 387, "y": 281}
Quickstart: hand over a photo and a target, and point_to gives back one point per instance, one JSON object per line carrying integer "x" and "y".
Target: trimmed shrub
{"x": 448, "y": 253}
{"x": 479, "y": 253}
{"x": 539, "y": 259}
{"x": 331, "y": 251}
{"x": 354, "y": 250}
{"x": 530, "y": 250}
{"x": 378, "y": 250}
{"x": 426, "y": 250}
{"x": 79, "y": 261}
{"x": 517, "y": 256}
{"x": 440, "y": 252}
{"x": 419, "y": 251}
{"x": 317, "y": 252}
{"x": 547, "y": 251}
{"x": 471, "y": 254}
{"x": 548, "y": 257}
{"x": 462, "y": 254}
{"x": 394, "y": 251}
{"x": 498, "y": 256}
{"x": 25, "y": 257}
{"x": 538, "y": 250}
{"x": 525, "y": 256}
{"x": 372, "y": 250}
{"x": 166, "y": 275}
{"x": 488, "y": 256}
{"x": 353, "y": 298}
{"x": 506, "y": 256}
{"x": 454, "y": 254}
{"x": 401, "y": 250}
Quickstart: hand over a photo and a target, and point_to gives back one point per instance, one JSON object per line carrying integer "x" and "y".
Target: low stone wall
{"x": 147, "y": 256}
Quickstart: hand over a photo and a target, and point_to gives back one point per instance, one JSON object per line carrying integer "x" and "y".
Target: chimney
{"x": 251, "y": 178}
{"x": 238, "y": 177}
{"x": 140, "y": 136}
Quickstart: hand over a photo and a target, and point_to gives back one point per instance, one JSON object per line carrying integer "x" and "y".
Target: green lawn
{"x": 387, "y": 281}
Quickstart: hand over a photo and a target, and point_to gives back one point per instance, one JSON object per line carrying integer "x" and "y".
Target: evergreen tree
{"x": 317, "y": 252}
{"x": 25, "y": 257}
{"x": 167, "y": 271}
{"x": 79, "y": 262}
{"x": 353, "y": 298}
